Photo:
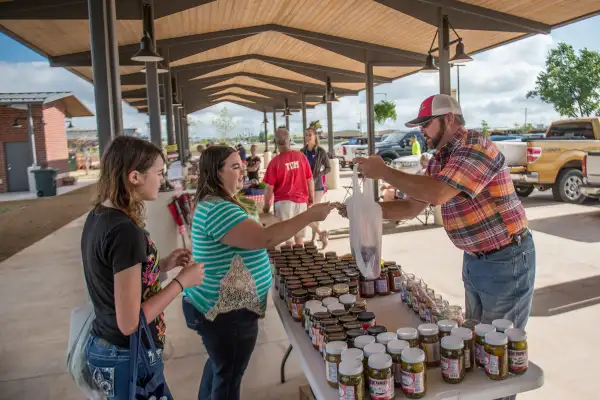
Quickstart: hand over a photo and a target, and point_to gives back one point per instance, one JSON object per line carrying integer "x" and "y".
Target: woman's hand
{"x": 178, "y": 258}
{"x": 318, "y": 212}
{"x": 192, "y": 275}
{"x": 342, "y": 210}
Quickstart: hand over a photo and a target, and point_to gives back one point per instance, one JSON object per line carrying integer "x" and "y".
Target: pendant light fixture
{"x": 331, "y": 97}
{"x": 286, "y": 112}
{"x": 146, "y": 53}
{"x": 460, "y": 55}
{"x": 70, "y": 126}
{"x": 160, "y": 68}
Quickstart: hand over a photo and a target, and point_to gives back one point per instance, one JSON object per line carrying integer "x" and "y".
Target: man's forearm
{"x": 399, "y": 210}
{"x": 416, "y": 186}
{"x": 268, "y": 196}
{"x": 311, "y": 189}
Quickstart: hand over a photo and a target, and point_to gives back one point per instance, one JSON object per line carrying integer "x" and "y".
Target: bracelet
{"x": 180, "y": 285}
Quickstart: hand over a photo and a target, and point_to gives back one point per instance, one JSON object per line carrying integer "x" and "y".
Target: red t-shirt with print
{"x": 288, "y": 173}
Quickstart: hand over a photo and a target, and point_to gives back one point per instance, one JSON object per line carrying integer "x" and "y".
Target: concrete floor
{"x": 40, "y": 285}
{"x": 13, "y": 196}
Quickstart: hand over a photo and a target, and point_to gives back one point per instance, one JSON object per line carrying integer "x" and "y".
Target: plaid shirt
{"x": 487, "y": 212}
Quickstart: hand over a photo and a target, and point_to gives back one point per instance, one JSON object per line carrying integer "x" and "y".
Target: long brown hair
{"x": 124, "y": 155}
{"x": 209, "y": 181}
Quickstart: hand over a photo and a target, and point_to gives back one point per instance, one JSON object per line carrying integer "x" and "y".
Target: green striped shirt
{"x": 213, "y": 219}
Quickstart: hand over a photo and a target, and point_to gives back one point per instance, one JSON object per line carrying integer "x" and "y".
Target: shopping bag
{"x": 366, "y": 221}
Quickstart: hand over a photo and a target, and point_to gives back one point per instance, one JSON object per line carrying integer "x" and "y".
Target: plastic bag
{"x": 366, "y": 221}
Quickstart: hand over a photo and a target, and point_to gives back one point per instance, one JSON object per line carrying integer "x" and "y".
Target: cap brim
{"x": 418, "y": 121}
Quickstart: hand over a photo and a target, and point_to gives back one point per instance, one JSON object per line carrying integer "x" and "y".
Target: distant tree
{"x": 485, "y": 127}
{"x": 526, "y": 128}
{"x": 316, "y": 125}
{"x": 571, "y": 82}
{"x": 385, "y": 110}
{"x": 224, "y": 123}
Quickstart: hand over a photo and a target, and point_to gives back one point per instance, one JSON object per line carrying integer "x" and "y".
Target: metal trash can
{"x": 45, "y": 181}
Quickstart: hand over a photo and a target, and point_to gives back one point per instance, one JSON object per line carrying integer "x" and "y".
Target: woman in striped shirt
{"x": 225, "y": 308}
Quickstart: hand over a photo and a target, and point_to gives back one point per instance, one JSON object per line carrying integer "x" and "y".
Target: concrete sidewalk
{"x": 41, "y": 284}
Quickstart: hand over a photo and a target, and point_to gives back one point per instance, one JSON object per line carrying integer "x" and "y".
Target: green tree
{"x": 224, "y": 123}
{"x": 571, "y": 82}
{"x": 385, "y": 110}
{"x": 485, "y": 127}
{"x": 316, "y": 125}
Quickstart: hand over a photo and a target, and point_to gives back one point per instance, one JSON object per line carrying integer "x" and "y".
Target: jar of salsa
{"x": 395, "y": 278}
{"x": 367, "y": 319}
{"x": 307, "y": 313}
{"x": 299, "y": 297}
{"x": 382, "y": 283}
{"x": 367, "y": 287}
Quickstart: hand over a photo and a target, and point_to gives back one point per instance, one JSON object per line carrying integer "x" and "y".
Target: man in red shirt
{"x": 289, "y": 178}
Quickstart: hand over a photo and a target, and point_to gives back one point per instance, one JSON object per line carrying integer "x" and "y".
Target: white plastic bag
{"x": 366, "y": 221}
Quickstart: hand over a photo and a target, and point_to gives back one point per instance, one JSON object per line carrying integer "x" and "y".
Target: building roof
{"x": 73, "y": 106}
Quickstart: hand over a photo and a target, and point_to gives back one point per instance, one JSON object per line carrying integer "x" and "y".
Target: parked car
{"x": 349, "y": 151}
{"x": 395, "y": 145}
{"x": 409, "y": 164}
{"x": 555, "y": 161}
{"x": 591, "y": 175}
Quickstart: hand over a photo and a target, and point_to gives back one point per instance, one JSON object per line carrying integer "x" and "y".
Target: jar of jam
{"x": 410, "y": 335}
{"x": 351, "y": 380}
{"x": 327, "y": 301}
{"x": 282, "y": 278}
{"x": 348, "y": 318}
{"x": 290, "y": 293}
{"x": 469, "y": 346}
{"x": 338, "y": 312}
{"x": 326, "y": 323}
{"x": 353, "y": 275}
{"x": 350, "y": 326}
{"x": 340, "y": 289}
{"x": 381, "y": 380}
{"x": 502, "y": 325}
{"x": 319, "y": 315}
{"x": 395, "y": 278}
{"x": 452, "y": 359}
{"x": 446, "y": 326}
{"x": 518, "y": 360}
{"x": 353, "y": 288}
{"x": 414, "y": 378}
{"x": 395, "y": 348}
{"x": 326, "y": 283}
{"x": 480, "y": 331}
{"x": 367, "y": 319}
{"x": 299, "y": 297}
{"x": 348, "y": 300}
{"x": 310, "y": 284}
{"x": 356, "y": 310}
{"x": 382, "y": 283}
{"x": 333, "y": 358}
{"x": 352, "y": 334}
{"x": 376, "y": 330}
{"x": 430, "y": 343}
{"x": 385, "y": 337}
{"x": 342, "y": 280}
{"x": 312, "y": 293}
{"x": 323, "y": 292}
{"x": 496, "y": 353}
{"x": 367, "y": 287}
{"x": 307, "y": 313}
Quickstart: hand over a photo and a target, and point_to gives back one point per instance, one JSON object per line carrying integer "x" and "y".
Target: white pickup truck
{"x": 349, "y": 151}
{"x": 591, "y": 175}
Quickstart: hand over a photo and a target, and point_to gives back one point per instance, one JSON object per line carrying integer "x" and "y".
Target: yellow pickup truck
{"x": 555, "y": 161}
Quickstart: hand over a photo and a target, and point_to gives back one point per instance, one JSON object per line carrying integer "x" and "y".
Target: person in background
{"x": 289, "y": 178}
{"x": 121, "y": 268}
{"x": 200, "y": 149}
{"x": 416, "y": 146}
{"x": 424, "y": 162}
{"x": 319, "y": 164}
{"x": 225, "y": 308}
{"x": 253, "y": 164}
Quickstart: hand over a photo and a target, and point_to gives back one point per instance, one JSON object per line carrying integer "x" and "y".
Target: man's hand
{"x": 178, "y": 258}
{"x": 266, "y": 209}
{"x": 372, "y": 167}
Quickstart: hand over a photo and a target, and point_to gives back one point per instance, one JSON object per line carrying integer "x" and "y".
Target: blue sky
{"x": 493, "y": 87}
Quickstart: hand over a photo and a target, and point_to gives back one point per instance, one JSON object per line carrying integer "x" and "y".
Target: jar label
{"x": 381, "y": 389}
{"x": 492, "y": 364}
{"x": 432, "y": 351}
{"x": 428, "y": 315}
{"x": 451, "y": 367}
{"x": 518, "y": 360}
{"x": 415, "y": 304}
{"x": 381, "y": 285}
{"x": 413, "y": 382}
{"x": 366, "y": 325}
{"x": 331, "y": 371}
{"x": 403, "y": 294}
{"x": 297, "y": 310}
{"x": 480, "y": 356}
{"x": 422, "y": 311}
{"x": 315, "y": 335}
{"x": 347, "y": 392}
{"x": 397, "y": 283}
{"x": 367, "y": 288}
{"x": 467, "y": 357}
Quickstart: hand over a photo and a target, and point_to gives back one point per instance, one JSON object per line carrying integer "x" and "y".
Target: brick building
{"x": 47, "y": 112}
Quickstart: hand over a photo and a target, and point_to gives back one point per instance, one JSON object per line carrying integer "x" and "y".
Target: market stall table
{"x": 393, "y": 314}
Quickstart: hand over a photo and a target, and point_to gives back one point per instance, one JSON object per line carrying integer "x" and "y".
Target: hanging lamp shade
{"x": 70, "y": 126}
{"x": 332, "y": 96}
{"x": 430, "y": 66}
{"x": 460, "y": 56}
{"x": 287, "y": 113}
{"x": 324, "y": 99}
{"x": 160, "y": 68}
{"x": 146, "y": 53}
{"x": 17, "y": 124}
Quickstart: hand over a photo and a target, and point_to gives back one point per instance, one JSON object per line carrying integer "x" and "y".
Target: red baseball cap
{"x": 435, "y": 106}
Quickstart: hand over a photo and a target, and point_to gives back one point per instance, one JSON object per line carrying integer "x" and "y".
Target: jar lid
{"x": 353, "y": 325}
{"x": 350, "y": 367}
{"x": 386, "y": 337}
{"x": 361, "y": 341}
{"x": 452, "y": 343}
{"x": 339, "y": 312}
{"x": 447, "y": 325}
{"x": 366, "y": 316}
{"x": 502, "y": 324}
{"x": 428, "y": 329}
{"x": 336, "y": 347}
{"x": 470, "y": 323}
{"x": 380, "y": 361}
{"x": 313, "y": 303}
{"x": 496, "y": 338}
{"x": 321, "y": 314}
{"x": 340, "y": 287}
{"x": 373, "y": 348}
{"x": 413, "y": 355}
{"x": 334, "y": 329}
{"x": 327, "y": 301}
{"x": 356, "y": 309}
{"x": 329, "y": 322}
{"x": 347, "y": 318}
{"x": 483, "y": 329}
{"x": 354, "y": 333}
{"x": 407, "y": 333}
{"x": 317, "y": 309}
{"x": 463, "y": 333}
{"x": 347, "y": 298}
{"x": 516, "y": 334}
{"x": 323, "y": 291}
{"x": 335, "y": 306}
{"x": 300, "y": 293}
{"x": 376, "y": 330}
{"x": 396, "y": 346}
{"x": 353, "y": 354}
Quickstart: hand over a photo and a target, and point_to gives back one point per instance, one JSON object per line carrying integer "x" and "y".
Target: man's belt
{"x": 516, "y": 238}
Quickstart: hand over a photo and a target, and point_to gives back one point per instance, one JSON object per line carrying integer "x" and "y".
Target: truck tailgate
{"x": 515, "y": 153}
{"x": 593, "y": 168}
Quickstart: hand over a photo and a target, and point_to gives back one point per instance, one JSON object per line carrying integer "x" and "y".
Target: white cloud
{"x": 493, "y": 88}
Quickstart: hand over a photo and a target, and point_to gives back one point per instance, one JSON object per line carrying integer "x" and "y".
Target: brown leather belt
{"x": 516, "y": 238}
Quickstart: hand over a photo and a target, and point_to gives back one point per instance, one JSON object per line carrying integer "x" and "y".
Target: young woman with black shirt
{"x": 122, "y": 267}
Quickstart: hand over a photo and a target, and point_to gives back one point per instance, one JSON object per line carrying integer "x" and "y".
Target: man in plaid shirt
{"x": 481, "y": 212}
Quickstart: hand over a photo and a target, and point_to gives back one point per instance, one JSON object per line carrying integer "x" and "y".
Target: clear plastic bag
{"x": 366, "y": 229}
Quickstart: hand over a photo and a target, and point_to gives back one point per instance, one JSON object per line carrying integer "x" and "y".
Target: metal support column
{"x": 186, "y": 134}
{"x": 266, "y": 121}
{"x": 330, "y": 130}
{"x": 444, "y": 52}
{"x": 168, "y": 100}
{"x": 31, "y": 134}
{"x": 152, "y": 77}
{"x": 115, "y": 75}
{"x": 275, "y": 149}
{"x": 101, "y": 65}
{"x": 287, "y": 123}
{"x": 370, "y": 115}
{"x": 304, "y": 126}
{"x": 178, "y": 134}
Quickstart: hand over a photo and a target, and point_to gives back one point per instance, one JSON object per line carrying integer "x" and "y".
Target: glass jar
{"x": 289, "y": 294}
{"x": 518, "y": 360}
{"x": 353, "y": 288}
{"x": 395, "y": 278}
{"x": 351, "y": 380}
{"x": 361, "y": 303}
{"x": 282, "y": 278}
{"x": 376, "y": 330}
{"x": 411, "y": 335}
{"x": 338, "y": 312}
{"x": 418, "y": 290}
{"x": 352, "y": 334}
{"x": 381, "y": 380}
{"x": 414, "y": 377}
{"x": 382, "y": 283}
{"x": 455, "y": 313}
{"x": 299, "y": 298}
{"x": 325, "y": 324}
{"x": 333, "y": 337}
{"x": 439, "y": 309}
{"x": 318, "y": 316}
{"x": 361, "y": 341}
{"x": 307, "y": 313}
{"x": 367, "y": 319}
{"x": 323, "y": 292}
{"x": 385, "y": 337}
{"x": 445, "y": 326}
{"x": 353, "y": 275}
{"x": 430, "y": 343}
{"x": 406, "y": 278}
{"x": 410, "y": 283}
{"x": 496, "y": 352}
{"x": 340, "y": 289}
{"x": 452, "y": 359}
{"x": 310, "y": 284}
{"x": 470, "y": 324}
{"x": 350, "y": 326}
{"x": 480, "y": 331}
{"x": 367, "y": 287}
{"x": 335, "y": 307}
{"x": 333, "y": 358}
{"x": 327, "y": 301}
{"x": 327, "y": 283}
{"x": 394, "y": 349}
{"x": 429, "y": 305}
{"x": 347, "y": 300}
{"x": 469, "y": 346}
{"x": 348, "y": 318}
{"x": 342, "y": 280}
{"x": 312, "y": 293}
{"x": 356, "y": 310}
{"x": 502, "y": 325}
{"x": 353, "y": 355}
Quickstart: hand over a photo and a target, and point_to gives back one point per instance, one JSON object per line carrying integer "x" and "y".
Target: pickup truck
{"x": 591, "y": 175}
{"x": 395, "y": 145}
{"x": 349, "y": 151}
{"x": 555, "y": 161}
